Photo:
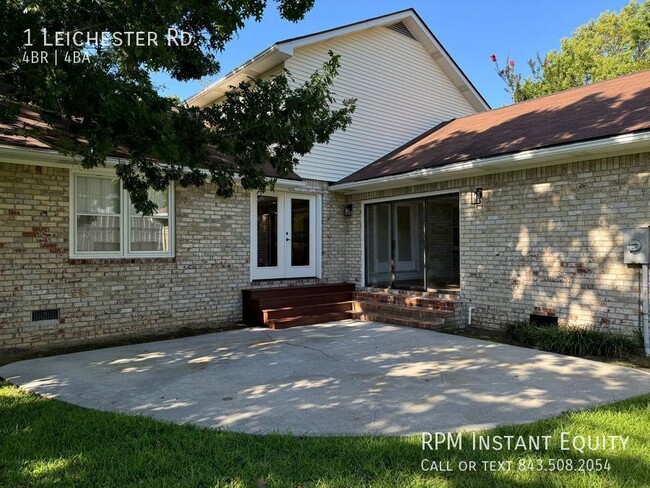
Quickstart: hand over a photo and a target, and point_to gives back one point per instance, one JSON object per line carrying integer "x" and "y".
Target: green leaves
{"x": 108, "y": 105}
{"x": 266, "y": 121}
{"x": 613, "y": 45}
{"x": 575, "y": 341}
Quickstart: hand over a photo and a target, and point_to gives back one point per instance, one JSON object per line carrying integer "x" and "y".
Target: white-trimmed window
{"x": 104, "y": 223}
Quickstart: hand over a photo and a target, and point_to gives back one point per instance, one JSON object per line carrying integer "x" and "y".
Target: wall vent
{"x": 400, "y": 28}
{"x": 543, "y": 320}
{"x": 49, "y": 314}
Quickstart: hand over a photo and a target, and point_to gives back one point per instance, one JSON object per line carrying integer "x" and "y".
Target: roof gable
{"x": 279, "y": 52}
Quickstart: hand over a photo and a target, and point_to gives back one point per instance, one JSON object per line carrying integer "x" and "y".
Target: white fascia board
{"x": 422, "y": 33}
{"x": 281, "y": 51}
{"x": 284, "y": 184}
{"x": 534, "y": 158}
{"x": 343, "y": 31}
{"x": 257, "y": 65}
{"x": 42, "y": 157}
{"x": 53, "y": 159}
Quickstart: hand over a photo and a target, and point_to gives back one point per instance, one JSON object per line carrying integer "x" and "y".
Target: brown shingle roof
{"x": 49, "y": 138}
{"x": 603, "y": 109}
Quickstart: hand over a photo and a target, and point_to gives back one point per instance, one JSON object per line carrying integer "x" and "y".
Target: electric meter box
{"x": 637, "y": 246}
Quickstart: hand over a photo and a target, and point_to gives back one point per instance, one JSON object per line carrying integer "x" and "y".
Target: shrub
{"x": 574, "y": 341}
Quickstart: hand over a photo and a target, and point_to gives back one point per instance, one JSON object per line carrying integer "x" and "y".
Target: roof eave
{"x": 263, "y": 62}
{"x": 535, "y": 158}
{"x": 446, "y": 62}
{"x": 29, "y": 156}
{"x": 283, "y": 50}
{"x": 344, "y": 30}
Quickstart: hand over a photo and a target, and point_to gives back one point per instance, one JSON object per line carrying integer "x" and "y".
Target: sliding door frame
{"x": 405, "y": 198}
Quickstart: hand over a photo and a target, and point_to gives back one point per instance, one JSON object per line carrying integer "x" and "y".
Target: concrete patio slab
{"x": 339, "y": 378}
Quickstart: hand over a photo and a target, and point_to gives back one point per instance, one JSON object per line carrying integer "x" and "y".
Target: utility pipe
{"x": 644, "y": 294}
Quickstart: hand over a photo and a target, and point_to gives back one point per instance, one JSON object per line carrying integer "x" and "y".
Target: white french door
{"x": 283, "y": 236}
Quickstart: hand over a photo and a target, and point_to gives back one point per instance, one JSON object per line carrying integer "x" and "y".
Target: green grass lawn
{"x": 49, "y": 443}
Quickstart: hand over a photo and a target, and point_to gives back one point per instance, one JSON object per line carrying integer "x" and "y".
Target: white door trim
{"x": 283, "y": 269}
{"x": 309, "y": 270}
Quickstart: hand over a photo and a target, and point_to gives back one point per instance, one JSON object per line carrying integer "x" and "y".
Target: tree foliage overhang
{"x": 106, "y": 103}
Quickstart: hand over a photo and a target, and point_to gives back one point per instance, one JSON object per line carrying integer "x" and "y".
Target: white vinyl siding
{"x": 400, "y": 91}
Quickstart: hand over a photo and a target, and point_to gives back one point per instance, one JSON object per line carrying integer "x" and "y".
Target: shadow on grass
{"x": 49, "y": 443}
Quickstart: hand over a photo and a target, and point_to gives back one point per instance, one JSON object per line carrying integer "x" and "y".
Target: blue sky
{"x": 469, "y": 30}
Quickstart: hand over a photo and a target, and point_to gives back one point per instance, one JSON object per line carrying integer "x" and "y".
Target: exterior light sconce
{"x": 477, "y": 196}
{"x": 347, "y": 210}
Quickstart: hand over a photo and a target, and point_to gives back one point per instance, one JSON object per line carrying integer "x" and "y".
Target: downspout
{"x": 644, "y": 294}
{"x": 470, "y": 309}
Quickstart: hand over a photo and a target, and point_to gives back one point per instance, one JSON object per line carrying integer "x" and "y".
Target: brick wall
{"x": 546, "y": 240}
{"x": 100, "y": 299}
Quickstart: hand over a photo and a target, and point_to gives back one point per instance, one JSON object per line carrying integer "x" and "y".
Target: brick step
{"x": 442, "y": 295}
{"x": 286, "y": 322}
{"x": 428, "y": 302}
{"x": 418, "y": 313}
{"x": 295, "y": 301}
{"x": 318, "y": 309}
{"x": 435, "y": 323}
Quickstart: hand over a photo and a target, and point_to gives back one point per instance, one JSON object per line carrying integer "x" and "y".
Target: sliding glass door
{"x": 409, "y": 244}
{"x": 378, "y": 245}
{"x": 413, "y": 244}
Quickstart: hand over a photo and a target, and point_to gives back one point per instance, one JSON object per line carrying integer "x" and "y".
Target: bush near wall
{"x": 574, "y": 341}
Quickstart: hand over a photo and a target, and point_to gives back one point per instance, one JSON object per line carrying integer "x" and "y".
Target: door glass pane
{"x": 151, "y": 233}
{"x": 404, "y": 232}
{"x": 406, "y": 241}
{"x": 443, "y": 251}
{"x": 299, "y": 232}
{"x": 267, "y": 231}
{"x": 409, "y": 244}
{"x": 378, "y": 245}
{"x": 382, "y": 226}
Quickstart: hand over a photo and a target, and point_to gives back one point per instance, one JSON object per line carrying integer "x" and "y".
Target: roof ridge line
{"x": 523, "y": 102}
{"x": 332, "y": 29}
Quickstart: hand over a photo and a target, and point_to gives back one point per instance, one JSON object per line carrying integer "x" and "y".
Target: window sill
{"x": 275, "y": 280}
{"x": 122, "y": 260}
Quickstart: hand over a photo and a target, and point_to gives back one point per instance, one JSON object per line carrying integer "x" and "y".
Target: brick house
{"x": 429, "y": 199}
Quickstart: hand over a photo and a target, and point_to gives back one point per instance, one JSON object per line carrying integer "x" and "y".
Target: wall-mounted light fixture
{"x": 347, "y": 210}
{"x": 477, "y": 196}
